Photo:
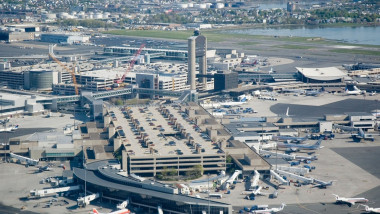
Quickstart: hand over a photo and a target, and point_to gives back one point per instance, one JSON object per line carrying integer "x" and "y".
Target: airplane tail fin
{"x": 336, "y": 196}
{"x": 361, "y": 133}
{"x": 282, "y": 206}
{"x": 318, "y": 143}
{"x": 95, "y": 211}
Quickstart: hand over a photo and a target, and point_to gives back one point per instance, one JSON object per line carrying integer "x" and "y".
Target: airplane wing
{"x": 318, "y": 185}
{"x": 262, "y": 212}
{"x": 348, "y": 201}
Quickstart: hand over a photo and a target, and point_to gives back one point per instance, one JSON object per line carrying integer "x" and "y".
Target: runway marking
{"x": 300, "y": 205}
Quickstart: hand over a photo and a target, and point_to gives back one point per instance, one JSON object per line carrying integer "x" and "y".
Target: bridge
{"x": 153, "y": 52}
{"x": 107, "y": 94}
{"x": 26, "y": 57}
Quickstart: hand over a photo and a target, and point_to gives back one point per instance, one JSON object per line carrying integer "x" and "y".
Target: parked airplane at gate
{"x": 356, "y": 91}
{"x": 322, "y": 184}
{"x": 270, "y": 211}
{"x": 350, "y": 201}
{"x": 371, "y": 209}
{"x": 361, "y": 135}
{"x": 240, "y": 102}
{"x": 291, "y": 139}
{"x": 296, "y": 147}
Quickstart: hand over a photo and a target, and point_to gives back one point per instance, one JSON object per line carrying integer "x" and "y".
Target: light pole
{"x": 74, "y": 116}
{"x": 262, "y": 132}
{"x": 85, "y": 173}
{"x": 4, "y": 126}
{"x": 208, "y": 191}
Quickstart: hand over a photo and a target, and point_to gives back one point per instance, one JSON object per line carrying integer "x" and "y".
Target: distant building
{"x": 225, "y": 80}
{"x": 291, "y": 6}
{"x": 321, "y": 75}
{"x": 64, "y": 38}
{"x": 13, "y": 104}
{"x": 10, "y": 78}
{"x": 10, "y": 36}
{"x": 40, "y": 79}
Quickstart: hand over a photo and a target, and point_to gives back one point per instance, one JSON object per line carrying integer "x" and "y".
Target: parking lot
{"x": 145, "y": 127}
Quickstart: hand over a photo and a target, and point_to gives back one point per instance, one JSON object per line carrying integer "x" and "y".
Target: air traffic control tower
{"x": 197, "y": 48}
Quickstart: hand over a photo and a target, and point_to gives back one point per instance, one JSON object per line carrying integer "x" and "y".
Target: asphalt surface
{"x": 340, "y": 107}
{"x": 366, "y": 158}
{"x": 11, "y": 210}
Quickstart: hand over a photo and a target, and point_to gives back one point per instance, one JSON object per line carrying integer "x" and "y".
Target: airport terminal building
{"x": 321, "y": 75}
{"x": 106, "y": 178}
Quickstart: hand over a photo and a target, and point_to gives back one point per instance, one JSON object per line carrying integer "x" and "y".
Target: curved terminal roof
{"x": 322, "y": 74}
{"x": 100, "y": 173}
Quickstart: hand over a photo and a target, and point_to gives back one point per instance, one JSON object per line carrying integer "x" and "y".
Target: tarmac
{"x": 353, "y": 166}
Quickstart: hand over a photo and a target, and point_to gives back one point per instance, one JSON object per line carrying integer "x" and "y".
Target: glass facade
{"x": 59, "y": 154}
{"x": 41, "y": 79}
{"x": 152, "y": 202}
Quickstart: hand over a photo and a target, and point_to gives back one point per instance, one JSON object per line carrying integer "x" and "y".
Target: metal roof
{"x": 323, "y": 74}
{"x": 93, "y": 178}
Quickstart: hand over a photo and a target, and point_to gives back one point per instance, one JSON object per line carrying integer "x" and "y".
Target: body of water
{"x": 355, "y": 35}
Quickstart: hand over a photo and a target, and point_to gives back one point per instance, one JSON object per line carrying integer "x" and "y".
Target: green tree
{"x": 195, "y": 172}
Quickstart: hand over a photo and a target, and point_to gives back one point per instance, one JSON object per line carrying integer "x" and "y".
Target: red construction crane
{"x": 131, "y": 64}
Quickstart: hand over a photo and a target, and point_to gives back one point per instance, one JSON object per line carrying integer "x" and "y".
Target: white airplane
{"x": 350, "y": 201}
{"x": 356, "y": 91}
{"x": 226, "y": 104}
{"x": 6, "y": 120}
{"x": 361, "y": 135}
{"x": 322, "y": 184}
{"x": 297, "y": 147}
{"x": 371, "y": 209}
{"x": 9, "y": 129}
{"x": 123, "y": 211}
{"x": 270, "y": 211}
{"x": 291, "y": 139}
{"x": 44, "y": 168}
{"x": 258, "y": 191}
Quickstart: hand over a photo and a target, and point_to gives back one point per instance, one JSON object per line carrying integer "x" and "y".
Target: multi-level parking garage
{"x": 159, "y": 137}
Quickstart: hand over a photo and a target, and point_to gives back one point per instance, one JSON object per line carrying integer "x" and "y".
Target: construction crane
{"x": 68, "y": 70}
{"x": 133, "y": 61}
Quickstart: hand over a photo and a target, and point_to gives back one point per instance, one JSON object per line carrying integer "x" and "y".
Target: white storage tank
{"x": 98, "y": 15}
{"x": 106, "y": 15}
{"x": 183, "y": 6}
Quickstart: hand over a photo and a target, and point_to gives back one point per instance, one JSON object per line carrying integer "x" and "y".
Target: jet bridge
{"x": 294, "y": 176}
{"x": 298, "y": 170}
{"x": 279, "y": 178}
{"x": 29, "y": 161}
{"x": 52, "y": 191}
{"x": 84, "y": 201}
